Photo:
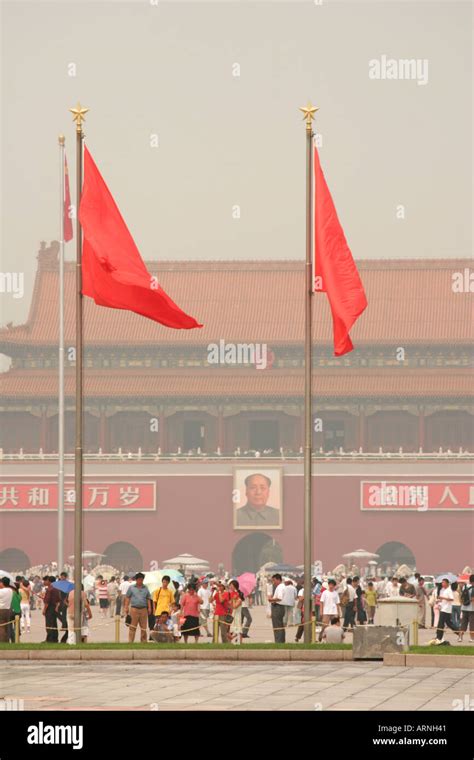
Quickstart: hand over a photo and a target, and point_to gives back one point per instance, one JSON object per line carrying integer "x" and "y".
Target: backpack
{"x": 467, "y": 595}
{"x": 344, "y": 597}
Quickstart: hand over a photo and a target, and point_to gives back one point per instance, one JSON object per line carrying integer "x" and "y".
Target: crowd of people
{"x": 218, "y": 608}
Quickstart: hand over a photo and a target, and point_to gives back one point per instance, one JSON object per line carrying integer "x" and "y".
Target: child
{"x": 371, "y": 598}
{"x": 175, "y": 615}
{"x": 364, "y": 607}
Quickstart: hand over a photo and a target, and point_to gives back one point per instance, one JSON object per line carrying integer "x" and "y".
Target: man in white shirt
{"x": 123, "y": 588}
{"x": 277, "y": 608}
{"x": 6, "y": 594}
{"x": 205, "y": 594}
{"x": 329, "y": 606}
{"x": 334, "y": 634}
{"x": 289, "y": 598}
{"x": 445, "y": 600}
{"x": 393, "y": 588}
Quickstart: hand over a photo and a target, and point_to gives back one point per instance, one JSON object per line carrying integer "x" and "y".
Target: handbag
{"x": 229, "y": 618}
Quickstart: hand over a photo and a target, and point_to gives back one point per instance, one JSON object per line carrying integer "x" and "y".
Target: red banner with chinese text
{"x": 98, "y": 495}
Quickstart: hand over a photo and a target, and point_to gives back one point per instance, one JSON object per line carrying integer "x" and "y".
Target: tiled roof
{"x": 218, "y": 383}
{"x": 410, "y": 302}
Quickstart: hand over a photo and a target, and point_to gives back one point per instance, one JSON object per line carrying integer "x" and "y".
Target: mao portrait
{"x": 257, "y": 498}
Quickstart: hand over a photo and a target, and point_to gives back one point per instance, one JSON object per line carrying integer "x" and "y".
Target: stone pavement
{"x": 232, "y": 686}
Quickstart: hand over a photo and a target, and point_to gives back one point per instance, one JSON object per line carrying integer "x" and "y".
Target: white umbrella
{"x": 361, "y": 554}
{"x": 186, "y": 560}
{"x": 88, "y": 555}
{"x": 4, "y": 574}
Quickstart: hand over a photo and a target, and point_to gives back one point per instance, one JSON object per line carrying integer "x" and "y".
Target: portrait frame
{"x": 275, "y": 499}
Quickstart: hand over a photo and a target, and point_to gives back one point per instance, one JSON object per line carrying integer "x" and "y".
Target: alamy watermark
{"x": 238, "y": 353}
{"x": 384, "y": 67}
{"x": 12, "y": 282}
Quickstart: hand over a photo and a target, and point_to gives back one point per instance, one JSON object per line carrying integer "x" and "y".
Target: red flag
{"x": 67, "y": 205}
{"x": 114, "y": 273}
{"x": 334, "y": 271}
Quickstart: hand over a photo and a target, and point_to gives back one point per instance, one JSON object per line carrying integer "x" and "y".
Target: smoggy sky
{"x": 168, "y": 69}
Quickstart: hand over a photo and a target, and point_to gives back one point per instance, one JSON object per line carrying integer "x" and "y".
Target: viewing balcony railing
{"x": 123, "y": 455}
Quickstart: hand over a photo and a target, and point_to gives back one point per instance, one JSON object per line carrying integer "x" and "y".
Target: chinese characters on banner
{"x": 417, "y": 495}
{"x": 42, "y": 496}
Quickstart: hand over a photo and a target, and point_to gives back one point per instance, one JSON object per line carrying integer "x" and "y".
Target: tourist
{"x": 393, "y": 588}
{"x": 334, "y": 634}
{"x": 163, "y": 597}
{"x": 190, "y": 603}
{"x": 102, "y": 596}
{"x": 137, "y": 607}
{"x": 329, "y": 606}
{"x": 25, "y": 593}
{"x": 277, "y": 608}
{"x": 349, "y": 597}
{"x": 421, "y": 595}
{"x": 358, "y": 603}
{"x": 15, "y": 611}
{"x": 6, "y": 594}
{"x": 467, "y": 610}
{"x": 371, "y": 600}
{"x": 123, "y": 588}
{"x": 205, "y": 593}
{"x": 86, "y": 615}
{"x": 163, "y": 630}
{"x": 246, "y": 616}
{"x": 51, "y": 602}
{"x": 175, "y": 616}
{"x": 445, "y": 600}
{"x": 290, "y": 595}
{"x": 456, "y": 608}
{"x": 112, "y": 592}
{"x": 221, "y": 599}
{"x": 407, "y": 590}
{"x": 236, "y": 599}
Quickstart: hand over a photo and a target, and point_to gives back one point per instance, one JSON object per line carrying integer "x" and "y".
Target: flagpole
{"x": 308, "y": 112}
{"x": 78, "y": 117}
{"x": 61, "y": 140}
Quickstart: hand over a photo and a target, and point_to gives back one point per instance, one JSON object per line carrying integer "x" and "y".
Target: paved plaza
{"x": 232, "y": 686}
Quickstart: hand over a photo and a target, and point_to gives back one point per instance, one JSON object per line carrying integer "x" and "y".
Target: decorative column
{"x": 362, "y": 428}
{"x": 43, "y": 429}
{"x": 162, "y": 430}
{"x": 421, "y": 427}
{"x": 102, "y": 429}
{"x": 220, "y": 430}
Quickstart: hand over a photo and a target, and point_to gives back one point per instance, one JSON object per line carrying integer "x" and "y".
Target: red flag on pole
{"x": 334, "y": 270}
{"x": 113, "y": 271}
{"x": 68, "y": 234}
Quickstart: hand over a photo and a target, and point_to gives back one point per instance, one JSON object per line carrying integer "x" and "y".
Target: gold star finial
{"x": 78, "y": 115}
{"x": 308, "y": 114}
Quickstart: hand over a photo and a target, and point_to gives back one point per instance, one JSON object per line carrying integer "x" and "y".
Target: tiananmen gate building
{"x": 175, "y": 421}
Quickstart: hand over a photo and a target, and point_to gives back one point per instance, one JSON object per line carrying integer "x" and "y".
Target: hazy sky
{"x": 168, "y": 69}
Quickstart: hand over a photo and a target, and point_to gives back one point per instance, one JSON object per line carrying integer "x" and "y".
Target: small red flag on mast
{"x": 68, "y": 233}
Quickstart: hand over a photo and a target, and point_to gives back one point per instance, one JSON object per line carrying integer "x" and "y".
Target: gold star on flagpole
{"x": 308, "y": 114}
{"x": 78, "y": 115}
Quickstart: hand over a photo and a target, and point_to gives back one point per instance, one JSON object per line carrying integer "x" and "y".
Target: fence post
{"x": 17, "y": 629}
{"x": 117, "y": 629}
{"x": 215, "y": 638}
{"x": 313, "y": 629}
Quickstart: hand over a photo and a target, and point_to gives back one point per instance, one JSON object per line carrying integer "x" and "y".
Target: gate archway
{"x": 253, "y": 551}
{"x": 124, "y": 557}
{"x": 14, "y": 560}
{"x": 394, "y": 553}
